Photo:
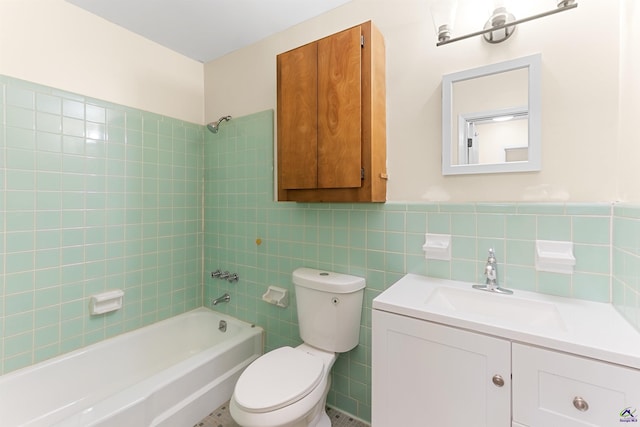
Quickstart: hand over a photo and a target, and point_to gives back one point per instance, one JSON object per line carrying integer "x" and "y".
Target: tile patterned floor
{"x": 221, "y": 418}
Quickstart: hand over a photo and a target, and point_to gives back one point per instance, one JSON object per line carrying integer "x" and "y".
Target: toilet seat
{"x": 277, "y": 379}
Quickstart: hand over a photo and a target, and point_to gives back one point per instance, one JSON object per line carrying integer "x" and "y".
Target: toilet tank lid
{"x": 327, "y": 281}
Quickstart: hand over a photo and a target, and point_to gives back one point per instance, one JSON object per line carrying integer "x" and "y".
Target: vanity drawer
{"x": 558, "y": 389}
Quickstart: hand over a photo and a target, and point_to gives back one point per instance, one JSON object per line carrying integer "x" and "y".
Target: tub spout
{"x": 224, "y": 298}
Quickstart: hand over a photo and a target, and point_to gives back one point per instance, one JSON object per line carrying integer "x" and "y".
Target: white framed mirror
{"x": 491, "y": 118}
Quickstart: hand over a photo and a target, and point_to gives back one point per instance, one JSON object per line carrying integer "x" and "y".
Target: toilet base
{"x": 321, "y": 419}
{"x": 324, "y": 420}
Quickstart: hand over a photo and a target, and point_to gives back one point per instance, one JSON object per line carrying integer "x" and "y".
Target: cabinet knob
{"x": 580, "y": 404}
{"x": 498, "y": 380}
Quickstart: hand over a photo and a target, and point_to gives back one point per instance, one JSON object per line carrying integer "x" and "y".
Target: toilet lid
{"x": 277, "y": 379}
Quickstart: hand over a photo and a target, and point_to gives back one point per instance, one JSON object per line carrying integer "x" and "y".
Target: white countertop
{"x": 579, "y": 327}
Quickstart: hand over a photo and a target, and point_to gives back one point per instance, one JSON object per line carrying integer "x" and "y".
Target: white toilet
{"x": 288, "y": 387}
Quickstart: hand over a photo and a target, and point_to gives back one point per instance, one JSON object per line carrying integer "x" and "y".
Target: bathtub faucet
{"x": 224, "y": 298}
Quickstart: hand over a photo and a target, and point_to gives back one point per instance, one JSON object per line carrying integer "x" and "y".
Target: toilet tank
{"x": 329, "y": 308}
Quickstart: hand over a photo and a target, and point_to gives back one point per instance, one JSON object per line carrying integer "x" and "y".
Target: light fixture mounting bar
{"x": 510, "y": 24}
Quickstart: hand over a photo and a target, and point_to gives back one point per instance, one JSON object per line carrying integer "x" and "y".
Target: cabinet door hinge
{"x": 361, "y": 40}
{"x": 362, "y": 174}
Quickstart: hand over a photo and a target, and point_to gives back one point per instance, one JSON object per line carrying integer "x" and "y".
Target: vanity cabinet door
{"x": 558, "y": 389}
{"x": 426, "y": 374}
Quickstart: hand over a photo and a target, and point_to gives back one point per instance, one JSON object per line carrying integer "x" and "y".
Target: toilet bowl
{"x": 287, "y": 387}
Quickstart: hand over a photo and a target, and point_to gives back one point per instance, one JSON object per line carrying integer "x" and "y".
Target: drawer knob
{"x": 498, "y": 380}
{"x": 580, "y": 404}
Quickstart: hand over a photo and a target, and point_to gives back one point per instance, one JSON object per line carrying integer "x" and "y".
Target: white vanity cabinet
{"x": 557, "y": 389}
{"x": 447, "y": 355}
{"x": 428, "y": 374}
{"x": 425, "y": 374}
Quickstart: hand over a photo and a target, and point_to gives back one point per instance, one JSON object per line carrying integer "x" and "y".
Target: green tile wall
{"x": 626, "y": 262}
{"x": 380, "y": 242}
{"x": 95, "y": 196}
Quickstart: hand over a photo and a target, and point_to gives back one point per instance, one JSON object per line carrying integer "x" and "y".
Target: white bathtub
{"x": 172, "y": 373}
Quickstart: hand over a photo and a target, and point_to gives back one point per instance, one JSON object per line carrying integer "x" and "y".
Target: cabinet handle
{"x": 580, "y": 404}
{"x": 498, "y": 380}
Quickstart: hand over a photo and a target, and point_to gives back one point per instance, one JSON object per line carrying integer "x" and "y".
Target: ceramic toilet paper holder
{"x": 276, "y": 296}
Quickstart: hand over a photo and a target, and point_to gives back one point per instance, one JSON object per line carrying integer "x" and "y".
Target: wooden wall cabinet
{"x": 331, "y": 119}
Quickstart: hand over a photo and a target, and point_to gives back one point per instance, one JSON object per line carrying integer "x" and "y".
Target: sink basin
{"x": 505, "y": 308}
{"x": 570, "y": 325}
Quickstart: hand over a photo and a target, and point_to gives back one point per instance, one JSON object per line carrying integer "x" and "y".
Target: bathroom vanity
{"x": 447, "y": 355}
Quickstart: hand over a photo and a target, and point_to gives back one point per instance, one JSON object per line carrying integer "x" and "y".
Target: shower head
{"x": 213, "y": 126}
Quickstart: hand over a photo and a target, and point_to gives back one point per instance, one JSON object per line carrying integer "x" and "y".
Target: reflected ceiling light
{"x": 498, "y": 28}
{"x": 503, "y": 118}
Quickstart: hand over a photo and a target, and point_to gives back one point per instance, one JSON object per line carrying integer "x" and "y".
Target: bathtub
{"x": 172, "y": 373}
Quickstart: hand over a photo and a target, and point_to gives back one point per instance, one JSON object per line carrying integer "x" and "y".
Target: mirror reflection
{"x": 491, "y": 118}
{"x": 496, "y": 136}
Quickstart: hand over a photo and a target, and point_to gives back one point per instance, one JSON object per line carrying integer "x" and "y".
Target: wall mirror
{"x": 491, "y": 118}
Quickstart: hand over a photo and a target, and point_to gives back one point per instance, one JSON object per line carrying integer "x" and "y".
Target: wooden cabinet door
{"x": 429, "y": 375}
{"x": 298, "y": 118}
{"x": 319, "y": 113}
{"x": 339, "y": 110}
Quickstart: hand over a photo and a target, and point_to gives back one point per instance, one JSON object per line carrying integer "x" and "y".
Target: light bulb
{"x": 443, "y": 13}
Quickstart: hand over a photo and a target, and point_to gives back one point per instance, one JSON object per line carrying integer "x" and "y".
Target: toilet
{"x": 287, "y": 387}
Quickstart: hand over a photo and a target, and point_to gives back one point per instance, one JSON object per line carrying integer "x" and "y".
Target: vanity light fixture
{"x": 443, "y": 13}
{"x": 498, "y": 28}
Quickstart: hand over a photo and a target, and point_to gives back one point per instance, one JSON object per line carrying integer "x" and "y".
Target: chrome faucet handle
{"x": 216, "y": 273}
{"x": 233, "y": 277}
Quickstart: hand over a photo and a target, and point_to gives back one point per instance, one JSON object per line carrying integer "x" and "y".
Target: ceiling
{"x": 207, "y": 29}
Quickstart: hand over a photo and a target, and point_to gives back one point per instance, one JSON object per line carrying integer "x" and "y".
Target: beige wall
{"x": 580, "y": 99}
{"x": 629, "y": 147}
{"x": 589, "y": 88}
{"x": 54, "y": 43}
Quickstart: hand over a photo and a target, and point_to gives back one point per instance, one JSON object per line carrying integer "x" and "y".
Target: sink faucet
{"x": 224, "y": 298}
{"x": 491, "y": 272}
